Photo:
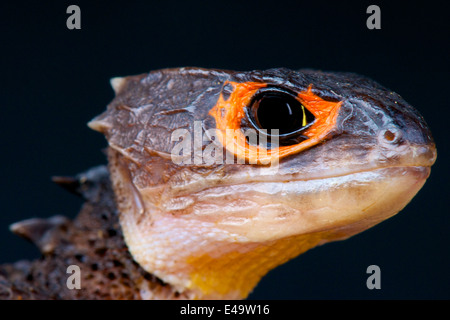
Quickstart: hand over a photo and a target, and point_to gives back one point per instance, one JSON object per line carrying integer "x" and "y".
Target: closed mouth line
{"x": 187, "y": 191}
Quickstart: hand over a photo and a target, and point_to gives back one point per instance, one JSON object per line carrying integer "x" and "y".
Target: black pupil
{"x": 282, "y": 112}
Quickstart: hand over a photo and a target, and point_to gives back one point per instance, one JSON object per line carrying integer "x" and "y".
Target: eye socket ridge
{"x": 272, "y": 108}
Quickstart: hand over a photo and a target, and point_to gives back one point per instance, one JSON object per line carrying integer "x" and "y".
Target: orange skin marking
{"x": 228, "y": 115}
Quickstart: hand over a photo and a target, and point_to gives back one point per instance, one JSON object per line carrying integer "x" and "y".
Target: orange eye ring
{"x": 229, "y": 113}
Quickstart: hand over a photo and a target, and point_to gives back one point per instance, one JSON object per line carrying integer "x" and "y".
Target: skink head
{"x": 211, "y": 198}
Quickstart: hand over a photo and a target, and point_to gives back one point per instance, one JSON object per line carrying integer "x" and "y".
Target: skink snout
{"x": 409, "y": 147}
{"x": 424, "y": 155}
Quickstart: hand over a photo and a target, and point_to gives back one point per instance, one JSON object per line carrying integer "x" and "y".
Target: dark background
{"x": 53, "y": 80}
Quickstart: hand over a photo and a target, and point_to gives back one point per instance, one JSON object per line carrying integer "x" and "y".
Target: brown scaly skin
{"x": 93, "y": 241}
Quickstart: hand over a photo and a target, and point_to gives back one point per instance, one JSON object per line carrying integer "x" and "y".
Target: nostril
{"x": 391, "y": 135}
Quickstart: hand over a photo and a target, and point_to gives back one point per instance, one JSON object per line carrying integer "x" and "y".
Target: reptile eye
{"x": 282, "y": 111}
{"x": 303, "y": 119}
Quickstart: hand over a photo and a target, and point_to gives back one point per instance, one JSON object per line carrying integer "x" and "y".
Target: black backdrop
{"x": 53, "y": 80}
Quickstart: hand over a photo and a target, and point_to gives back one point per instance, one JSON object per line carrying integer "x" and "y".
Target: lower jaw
{"x": 267, "y": 211}
{"x": 225, "y": 257}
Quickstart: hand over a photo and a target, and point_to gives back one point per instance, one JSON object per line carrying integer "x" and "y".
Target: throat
{"x": 236, "y": 272}
{"x": 203, "y": 262}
